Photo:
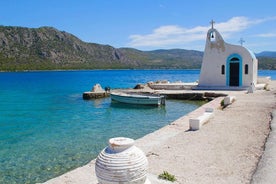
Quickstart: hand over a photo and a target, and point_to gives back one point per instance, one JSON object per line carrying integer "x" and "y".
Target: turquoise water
{"x": 46, "y": 128}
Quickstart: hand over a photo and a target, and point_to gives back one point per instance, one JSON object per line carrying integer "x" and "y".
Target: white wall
{"x": 216, "y": 54}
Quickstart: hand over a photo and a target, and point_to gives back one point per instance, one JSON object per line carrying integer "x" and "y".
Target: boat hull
{"x": 137, "y": 99}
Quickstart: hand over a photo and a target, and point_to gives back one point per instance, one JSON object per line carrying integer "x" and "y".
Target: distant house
{"x": 225, "y": 65}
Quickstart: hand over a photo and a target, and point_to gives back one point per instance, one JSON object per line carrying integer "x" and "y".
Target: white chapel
{"x": 225, "y": 65}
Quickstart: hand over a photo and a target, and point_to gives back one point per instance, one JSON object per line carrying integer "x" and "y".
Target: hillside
{"x": 173, "y": 58}
{"x": 267, "y": 63}
{"x": 267, "y": 60}
{"x": 47, "y": 48}
{"x": 269, "y": 54}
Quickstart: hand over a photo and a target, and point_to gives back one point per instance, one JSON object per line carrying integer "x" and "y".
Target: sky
{"x": 150, "y": 24}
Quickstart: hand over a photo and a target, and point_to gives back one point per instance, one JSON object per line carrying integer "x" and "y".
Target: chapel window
{"x": 246, "y": 69}
{"x": 222, "y": 69}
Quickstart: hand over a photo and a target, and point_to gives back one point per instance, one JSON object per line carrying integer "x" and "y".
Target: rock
{"x": 139, "y": 86}
{"x": 97, "y": 88}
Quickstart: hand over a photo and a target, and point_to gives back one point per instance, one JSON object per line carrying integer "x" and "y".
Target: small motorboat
{"x": 137, "y": 99}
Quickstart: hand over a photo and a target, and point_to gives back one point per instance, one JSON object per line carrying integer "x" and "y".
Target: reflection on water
{"x": 116, "y": 104}
{"x": 99, "y": 103}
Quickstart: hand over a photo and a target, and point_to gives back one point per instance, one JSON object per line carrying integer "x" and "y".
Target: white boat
{"x": 137, "y": 99}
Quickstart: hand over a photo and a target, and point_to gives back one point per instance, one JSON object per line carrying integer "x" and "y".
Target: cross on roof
{"x": 241, "y": 41}
{"x": 212, "y": 23}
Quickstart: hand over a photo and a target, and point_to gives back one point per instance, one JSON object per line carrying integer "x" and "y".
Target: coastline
{"x": 226, "y": 150}
{"x": 96, "y": 69}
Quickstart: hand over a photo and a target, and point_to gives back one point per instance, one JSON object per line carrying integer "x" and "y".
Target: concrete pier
{"x": 94, "y": 95}
{"x": 96, "y": 92}
{"x": 169, "y": 94}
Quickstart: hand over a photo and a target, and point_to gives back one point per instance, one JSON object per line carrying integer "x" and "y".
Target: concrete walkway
{"x": 265, "y": 172}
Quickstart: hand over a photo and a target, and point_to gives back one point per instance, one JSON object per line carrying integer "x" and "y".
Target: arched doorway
{"x": 234, "y": 70}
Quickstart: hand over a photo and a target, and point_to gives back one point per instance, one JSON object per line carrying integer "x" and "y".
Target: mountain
{"x": 47, "y": 48}
{"x": 266, "y": 60}
{"x": 173, "y": 58}
{"x": 269, "y": 54}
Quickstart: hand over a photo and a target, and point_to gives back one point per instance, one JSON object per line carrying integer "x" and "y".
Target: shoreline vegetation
{"x": 127, "y": 69}
{"x": 264, "y": 64}
{"x": 47, "y": 48}
{"x": 60, "y": 70}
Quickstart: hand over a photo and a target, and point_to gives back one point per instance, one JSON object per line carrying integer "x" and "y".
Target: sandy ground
{"x": 226, "y": 149}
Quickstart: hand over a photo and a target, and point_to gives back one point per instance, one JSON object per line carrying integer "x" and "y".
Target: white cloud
{"x": 235, "y": 24}
{"x": 169, "y": 35}
{"x": 267, "y": 35}
{"x": 166, "y": 35}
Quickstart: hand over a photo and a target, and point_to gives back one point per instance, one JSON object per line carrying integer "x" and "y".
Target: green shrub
{"x": 222, "y": 103}
{"x": 167, "y": 176}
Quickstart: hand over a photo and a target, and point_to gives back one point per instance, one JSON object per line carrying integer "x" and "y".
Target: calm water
{"x": 46, "y": 128}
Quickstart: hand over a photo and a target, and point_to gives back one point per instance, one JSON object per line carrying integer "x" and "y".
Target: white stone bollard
{"x": 209, "y": 109}
{"x": 121, "y": 163}
{"x": 196, "y": 123}
{"x": 251, "y": 88}
{"x": 229, "y": 100}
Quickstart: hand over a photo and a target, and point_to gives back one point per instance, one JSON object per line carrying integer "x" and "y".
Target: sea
{"x": 47, "y": 129}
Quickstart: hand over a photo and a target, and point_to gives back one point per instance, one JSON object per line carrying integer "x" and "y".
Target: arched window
{"x": 234, "y": 59}
{"x": 246, "y": 69}
{"x": 222, "y": 69}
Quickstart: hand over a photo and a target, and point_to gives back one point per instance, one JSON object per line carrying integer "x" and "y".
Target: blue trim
{"x": 228, "y": 61}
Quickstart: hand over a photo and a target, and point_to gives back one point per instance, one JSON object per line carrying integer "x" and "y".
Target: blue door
{"x": 234, "y": 74}
{"x": 234, "y": 70}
